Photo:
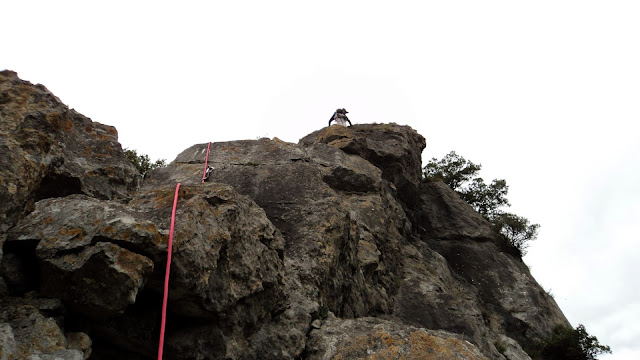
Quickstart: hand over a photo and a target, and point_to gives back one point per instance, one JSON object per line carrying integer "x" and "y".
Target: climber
{"x": 340, "y": 117}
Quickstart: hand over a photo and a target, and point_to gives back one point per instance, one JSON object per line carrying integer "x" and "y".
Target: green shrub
{"x": 142, "y": 162}
{"x": 462, "y": 176}
{"x": 566, "y": 343}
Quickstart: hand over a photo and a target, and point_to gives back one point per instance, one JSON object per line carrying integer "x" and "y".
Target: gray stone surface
{"x": 330, "y": 248}
{"x": 7, "y": 341}
{"x": 49, "y": 150}
{"x": 57, "y": 355}
{"x": 79, "y": 341}
{"x": 26, "y": 332}
{"x": 374, "y": 338}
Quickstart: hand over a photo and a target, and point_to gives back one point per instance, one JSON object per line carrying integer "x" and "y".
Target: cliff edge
{"x": 332, "y": 248}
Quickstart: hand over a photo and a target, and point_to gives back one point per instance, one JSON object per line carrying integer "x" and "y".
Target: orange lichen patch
{"x": 110, "y": 230}
{"x": 112, "y": 233}
{"x": 421, "y": 341}
{"x": 102, "y": 137}
{"x": 392, "y": 352}
{"x": 388, "y": 340}
{"x": 59, "y": 122}
{"x": 49, "y": 241}
{"x": 34, "y": 139}
{"x": 162, "y": 198}
{"x": 333, "y": 133}
{"x": 75, "y": 233}
{"x": 219, "y": 235}
{"x": 88, "y": 129}
{"x": 355, "y": 348}
{"x": 48, "y": 220}
{"x": 125, "y": 235}
{"x": 129, "y": 261}
{"x": 112, "y": 130}
{"x": 275, "y": 144}
{"x": 159, "y": 239}
{"x": 381, "y": 345}
{"x": 186, "y": 192}
{"x": 98, "y": 152}
{"x": 69, "y": 258}
{"x": 148, "y": 227}
{"x": 217, "y": 211}
{"x": 109, "y": 170}
{"x": 87, "y": 151}
{"x": 340, "y": 143}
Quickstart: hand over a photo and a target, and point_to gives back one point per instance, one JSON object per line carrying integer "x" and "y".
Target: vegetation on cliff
{"x": 462, "y": 176}
{"x": 142, "y": 162}
{"x": 566, "y": 343}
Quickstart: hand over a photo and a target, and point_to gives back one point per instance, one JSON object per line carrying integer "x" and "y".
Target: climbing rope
{"x": 205, "y": 174}
{"x": 166, "y": 276}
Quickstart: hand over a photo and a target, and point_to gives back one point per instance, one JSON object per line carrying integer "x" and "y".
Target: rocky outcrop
{"x": 383, "y": 339}
{"x": 26, "y": 333}
{"x": 97, "y": 256}
{"x": 389, "y": 147}
{"x": 49, "y": 150}
{"x": 332, "y": 248}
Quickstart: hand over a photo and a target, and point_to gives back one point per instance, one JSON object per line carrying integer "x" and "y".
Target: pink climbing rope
{"x": 206, "y": 162}
{"x": 166, "y": 275}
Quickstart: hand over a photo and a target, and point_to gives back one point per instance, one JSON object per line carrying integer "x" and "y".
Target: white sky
{"x": 544, "y": 94}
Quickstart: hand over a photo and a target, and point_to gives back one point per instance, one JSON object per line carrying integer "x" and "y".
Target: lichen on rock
{"x": 331, "y": 248}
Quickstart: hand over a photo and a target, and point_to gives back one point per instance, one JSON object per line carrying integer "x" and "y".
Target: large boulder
{"x": 393, "y": 148}
{"x": 511, "y": 301}
{"x": 98, "y": 255}
{"x": 443, "y": 215}
{"x": 374, "y": 338}
{"x": 336, "y": 215}
{"x": 340, "y": 219}
{"x": 48, "y": 150}
{"x": 78, "y": 262}
{"x": 333, "y": 247}
{"x": 27, "y": 333}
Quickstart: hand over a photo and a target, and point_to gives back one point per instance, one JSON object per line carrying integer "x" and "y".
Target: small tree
{"x": 517, "y": 229}
{"x": 566, "y": 343}
{"x": 452, "y": 169}
{"x": 142, "y": 162}
{"x": 486, "y": 199}
{"x": 462, "y": 176}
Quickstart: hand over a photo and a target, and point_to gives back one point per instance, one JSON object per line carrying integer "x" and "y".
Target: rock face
{"x": 332, "y": 248}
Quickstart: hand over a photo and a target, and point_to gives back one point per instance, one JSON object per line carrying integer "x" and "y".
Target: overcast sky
{"x": 544, "y": 94}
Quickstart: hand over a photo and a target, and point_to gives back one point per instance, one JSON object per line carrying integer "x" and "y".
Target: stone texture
{"x": 373, "y": 338}
{"x": 518, "y": 304}
{"x": 512, "y": 350}
{"x": 430, "y": 296}
{"x": 79, "y": 341}
{"x": 341, "y": 237}
{"x": 330, "y": 248}
{"x": 445, "y": 216}
{"x": 393, "y": 148}
{"x": 57, "y": 355}
{"x": 227, "y": 258}
{"x": 7, "y": 341}
{"x": 49, "y": 150}
{"x": 92, "y": 275}
{"x": 27, "y": 332}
